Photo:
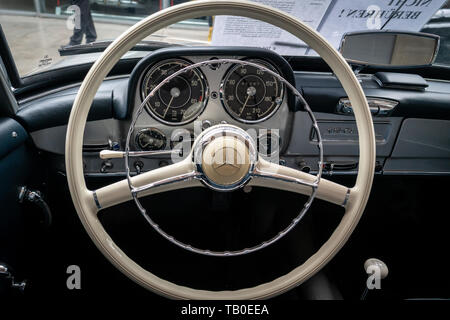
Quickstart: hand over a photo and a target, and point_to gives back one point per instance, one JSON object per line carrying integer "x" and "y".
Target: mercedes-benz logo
{"x": 226, "y": 161}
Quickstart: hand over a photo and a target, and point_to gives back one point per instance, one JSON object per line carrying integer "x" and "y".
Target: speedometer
{"x": 180, "y": 100}
{"x": 251, "y": 94}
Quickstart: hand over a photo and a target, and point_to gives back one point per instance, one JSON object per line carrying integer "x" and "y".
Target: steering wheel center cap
{"x": 225, "y": 155}
{"x": 226, "y": 160}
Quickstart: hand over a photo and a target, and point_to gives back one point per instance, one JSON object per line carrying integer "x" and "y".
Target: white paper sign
{"x": 332, "y": 18}
{"x": 239, "y": 31}
{"x": 346, "y": 16}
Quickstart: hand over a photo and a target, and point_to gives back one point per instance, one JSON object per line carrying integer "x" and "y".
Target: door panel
{"x": 15, "y": 169}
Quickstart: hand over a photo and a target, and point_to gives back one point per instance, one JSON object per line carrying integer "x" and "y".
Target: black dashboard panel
{"x": 322, "y": 91}
{"x": 53, "y": 109}
{"x": 117, "y": 98}
{"x": 12, "y": 135}
{"x": 411, "y": 119}
{"x": 423, "y": 146}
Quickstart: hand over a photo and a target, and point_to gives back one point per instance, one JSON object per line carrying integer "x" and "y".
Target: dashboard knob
{"x": 106, "y": 166}
{"x": 206, "y": 124}
{"x": 373, "y": 262}
{"x": 150, "y": 139}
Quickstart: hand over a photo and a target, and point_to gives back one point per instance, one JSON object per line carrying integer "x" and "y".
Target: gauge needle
{"x": 245, "y": 103}
{"x": 168, "y": 106}
{"x": 251, "y": 91}
{"x": 174, "y": 93}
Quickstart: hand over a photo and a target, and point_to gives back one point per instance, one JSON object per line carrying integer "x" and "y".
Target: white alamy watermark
{"x": 266, "y": 140}
{"x": 73, "y": 281}
{"x": 374, "y": 279}
{"x": 74, "y": 20}
{"x": 374, "y": 20}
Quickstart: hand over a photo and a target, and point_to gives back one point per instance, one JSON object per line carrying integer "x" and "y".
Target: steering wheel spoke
{"x": 268, "y": 174}
{"x": 176, "y": 176}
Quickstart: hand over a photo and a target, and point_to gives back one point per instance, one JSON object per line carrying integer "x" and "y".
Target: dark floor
{"x": 405, "y": 225}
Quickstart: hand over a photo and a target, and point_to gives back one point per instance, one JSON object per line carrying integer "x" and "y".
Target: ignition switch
{"x": 138, "y": 165}
{"x": 106, "y": 166}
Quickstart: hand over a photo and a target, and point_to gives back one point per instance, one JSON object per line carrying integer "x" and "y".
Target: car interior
{"x": 228, "y": 172}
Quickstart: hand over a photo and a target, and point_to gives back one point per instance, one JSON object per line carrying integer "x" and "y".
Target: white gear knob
{"x": 373, "y": 262}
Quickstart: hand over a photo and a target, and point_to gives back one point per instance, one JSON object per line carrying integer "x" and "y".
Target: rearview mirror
{"x": 390, "y": 48}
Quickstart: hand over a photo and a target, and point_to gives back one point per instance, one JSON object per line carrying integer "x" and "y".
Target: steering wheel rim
{"x": 86, "y": 202}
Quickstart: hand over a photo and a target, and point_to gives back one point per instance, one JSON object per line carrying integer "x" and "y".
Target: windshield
{"x": 41, "y": 32}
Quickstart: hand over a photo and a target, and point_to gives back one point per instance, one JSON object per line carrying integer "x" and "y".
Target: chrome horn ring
{"x": 199, "y": 146}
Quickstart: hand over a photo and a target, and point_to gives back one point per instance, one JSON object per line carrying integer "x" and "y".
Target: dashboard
{"x": 231, "y": 93}
{"x": 405, "y": 119}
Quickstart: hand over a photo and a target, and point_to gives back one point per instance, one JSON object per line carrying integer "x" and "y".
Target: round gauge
{"x": 180, "y": 100}
{"x": 250, "y": 94}
{"x": 150, "y": 139}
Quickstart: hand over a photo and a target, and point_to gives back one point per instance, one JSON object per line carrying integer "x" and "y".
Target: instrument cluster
{"x": 249, "y": 94}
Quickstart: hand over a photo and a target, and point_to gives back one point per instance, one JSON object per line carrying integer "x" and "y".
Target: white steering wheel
{"x": 189, "y": 173}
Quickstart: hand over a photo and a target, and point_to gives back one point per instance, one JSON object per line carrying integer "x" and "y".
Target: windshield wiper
{"x": 100, "y": 46}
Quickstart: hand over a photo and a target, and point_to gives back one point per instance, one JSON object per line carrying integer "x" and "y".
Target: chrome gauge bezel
{"x": 230, "y": 111}
{"x": 149, "y": 70}
{"x": 142, "y": 131}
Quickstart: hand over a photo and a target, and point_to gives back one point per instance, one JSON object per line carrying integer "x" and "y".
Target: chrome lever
{"x": 7, "y": 274}
{"x": 35, "y": 196}
{"x": 110, "y": 154}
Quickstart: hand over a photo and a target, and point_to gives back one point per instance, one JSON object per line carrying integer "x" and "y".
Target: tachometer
{"x": 250, "y": 94}
{"x": 180, "y": 100}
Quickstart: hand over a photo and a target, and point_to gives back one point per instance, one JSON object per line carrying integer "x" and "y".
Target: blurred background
{"x": 37, "y": 29}
{"x": 110, "y": 9}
